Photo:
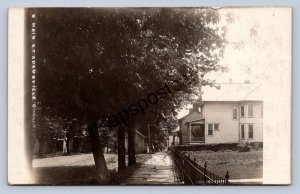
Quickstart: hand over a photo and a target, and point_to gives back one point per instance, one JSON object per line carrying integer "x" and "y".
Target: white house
{"x": 231, "y": 114}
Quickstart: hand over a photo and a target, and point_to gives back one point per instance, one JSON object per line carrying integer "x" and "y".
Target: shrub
{"x": 244, "y": 147}
{"x": 220, "y": 147}
{"x": 256, "y": 145}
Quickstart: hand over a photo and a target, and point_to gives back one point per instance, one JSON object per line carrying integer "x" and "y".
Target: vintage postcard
{"x": 149, "y": 96}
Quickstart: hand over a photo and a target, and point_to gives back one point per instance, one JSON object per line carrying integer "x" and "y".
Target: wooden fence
{"x": 191, "y": 172}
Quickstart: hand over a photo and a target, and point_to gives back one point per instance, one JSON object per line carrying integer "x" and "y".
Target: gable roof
{"x": 195, "y": 121}
{"x": 192, "y": 112}
{"x": 232, "y": 92}
{"x": 139, "y": 133}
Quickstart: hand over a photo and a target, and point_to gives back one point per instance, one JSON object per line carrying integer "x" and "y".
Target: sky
{"x": 257, "y": 49}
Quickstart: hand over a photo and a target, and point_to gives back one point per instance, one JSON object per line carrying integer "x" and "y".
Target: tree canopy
{"x": 94, "y": 62}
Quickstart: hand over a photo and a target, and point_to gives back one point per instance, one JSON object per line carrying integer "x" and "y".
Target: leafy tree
{"x": 93, "y": 63}
{"x": 48, "y": 129}
{"x": 108, "y": 139}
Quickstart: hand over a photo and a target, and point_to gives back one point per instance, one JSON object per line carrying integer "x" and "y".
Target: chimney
{"x": 247, "y": 81}
{"x": 196, "y": 107}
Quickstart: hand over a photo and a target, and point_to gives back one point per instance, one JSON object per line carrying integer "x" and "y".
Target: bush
{"x": 244, "y": 147}
{"x": 220, "y": 147}
{"x": 256, "y": 145}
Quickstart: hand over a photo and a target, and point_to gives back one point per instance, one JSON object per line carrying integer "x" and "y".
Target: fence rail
{"x": 191, "y": 172}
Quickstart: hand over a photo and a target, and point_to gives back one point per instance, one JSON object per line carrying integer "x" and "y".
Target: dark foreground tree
{"x": 95, "y": 63}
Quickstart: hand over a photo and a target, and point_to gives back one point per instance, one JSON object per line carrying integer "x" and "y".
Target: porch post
{"x": 190, "y": 132}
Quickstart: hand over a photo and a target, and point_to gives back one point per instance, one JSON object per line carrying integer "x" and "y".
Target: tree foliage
{"x": 92, "y": 63}
{"x": 95, "y": 62}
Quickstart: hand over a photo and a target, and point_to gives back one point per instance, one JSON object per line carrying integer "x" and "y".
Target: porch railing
{"x": 191, "y": 172}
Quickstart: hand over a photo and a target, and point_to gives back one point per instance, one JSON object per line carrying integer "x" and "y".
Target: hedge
{"x": 219, "y": 146}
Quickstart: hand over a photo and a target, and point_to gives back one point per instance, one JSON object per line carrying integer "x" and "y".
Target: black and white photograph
{"x": 150, "y": 96}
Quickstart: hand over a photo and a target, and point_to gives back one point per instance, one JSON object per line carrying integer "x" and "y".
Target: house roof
{"x": 138, "y": 132}
{"x": 192, "y": 112}
{"x": 232, "y": 92}
{"x": 195, "y": 121}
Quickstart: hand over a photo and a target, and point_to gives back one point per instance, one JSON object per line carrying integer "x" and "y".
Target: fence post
{"x": 205, "y": 166}
{"x": 227, "y": 177}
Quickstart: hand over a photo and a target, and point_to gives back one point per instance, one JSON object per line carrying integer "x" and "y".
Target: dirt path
{"x": 157, "y": 169}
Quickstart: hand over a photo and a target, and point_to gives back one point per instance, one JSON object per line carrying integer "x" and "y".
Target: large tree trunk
{"x": 102, "y": 172}
{"x": 131, "y": 146}
{"x": 121, "y": 149}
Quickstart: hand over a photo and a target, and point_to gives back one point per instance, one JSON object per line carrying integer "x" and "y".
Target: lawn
{"x": 241, "y": 165}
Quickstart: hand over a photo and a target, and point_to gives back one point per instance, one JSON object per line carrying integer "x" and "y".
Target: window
{"x": 250, "y": 130}
{"x": 250, "y": 110}
{"x": 242, "y": 111}
{"x": 213, "y": 127}
{"x": 242, "y": 131}
{"x": 216, "y": 127}
{"x": 234, "y": 114}
{"x": 210, "y": 129}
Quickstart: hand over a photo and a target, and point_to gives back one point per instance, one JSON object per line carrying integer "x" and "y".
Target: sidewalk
{"x": 157, "y": 169}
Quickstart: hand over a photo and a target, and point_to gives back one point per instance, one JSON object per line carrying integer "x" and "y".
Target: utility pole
{"x": 149, "y": 140}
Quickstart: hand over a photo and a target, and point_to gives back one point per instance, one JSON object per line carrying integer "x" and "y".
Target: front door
{"x": 197, "y": 133}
